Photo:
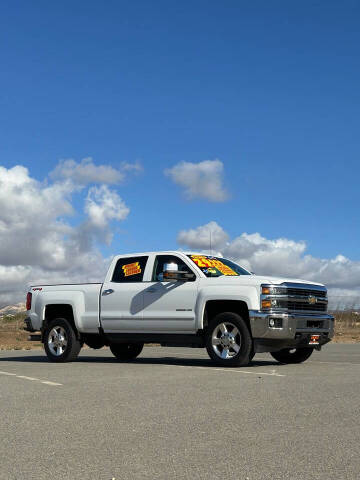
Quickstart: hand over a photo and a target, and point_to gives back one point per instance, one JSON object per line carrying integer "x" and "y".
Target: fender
{"x": 248, "y": 294}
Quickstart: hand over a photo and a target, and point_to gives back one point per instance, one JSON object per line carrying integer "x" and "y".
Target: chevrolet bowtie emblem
{"x": 312, "y": 299}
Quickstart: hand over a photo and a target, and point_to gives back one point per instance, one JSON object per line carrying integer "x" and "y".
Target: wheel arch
{"x": 214, "y": 307}
{"x": 59, "y": 310}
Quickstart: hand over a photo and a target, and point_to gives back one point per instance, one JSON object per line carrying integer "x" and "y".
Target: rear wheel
{"x": 292, "y": 355}
{"x": 60, "y": 341}
{"x": 229, "y": 341}
{"x": 126, "y": 351}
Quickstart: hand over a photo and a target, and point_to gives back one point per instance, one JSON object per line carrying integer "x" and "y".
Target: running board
{"x": 168, "y": 340}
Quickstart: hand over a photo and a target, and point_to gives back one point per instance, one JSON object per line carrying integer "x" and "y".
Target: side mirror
{"x": 171, "y": 273}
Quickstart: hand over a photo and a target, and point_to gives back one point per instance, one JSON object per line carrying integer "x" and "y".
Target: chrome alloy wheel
{"x": 226, "y": 340}
{"x": 57, "y": 341}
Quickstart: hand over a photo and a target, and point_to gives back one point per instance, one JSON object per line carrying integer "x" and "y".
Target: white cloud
{"x": 200, "y": 180}
{"x": 280, "y": 257}
{"x": 132, "y": 167}
{"x": 103, "y": 205}
{"x": 201, "y": 237}
{"x": 86, "y": 172}
{"x": 38, "y": 244}
{"x": 14, "y": 280}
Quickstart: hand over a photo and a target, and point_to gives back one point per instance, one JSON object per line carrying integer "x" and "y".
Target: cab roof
{"x": 163, "y": 252}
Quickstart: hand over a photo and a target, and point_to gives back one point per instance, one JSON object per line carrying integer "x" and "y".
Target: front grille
{"x": 306, "y": 292}
{"x": 315, "y": 324}
{"x": 302, "y": 306}
{"x": 305, "y": 324}
{"x": 297, "y": 298}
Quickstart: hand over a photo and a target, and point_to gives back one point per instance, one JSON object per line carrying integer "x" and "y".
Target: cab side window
{"x": 160, "y": 261}
{"x": 130, "y": 269}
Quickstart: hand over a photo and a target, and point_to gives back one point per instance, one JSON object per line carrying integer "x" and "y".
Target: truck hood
{"x": 279, "y": 280}
{"x": 259, "y": 279}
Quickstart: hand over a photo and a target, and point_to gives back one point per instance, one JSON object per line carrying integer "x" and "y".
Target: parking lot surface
{"x": 172, "y": 414}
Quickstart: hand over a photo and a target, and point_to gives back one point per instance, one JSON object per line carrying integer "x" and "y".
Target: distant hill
{"x": 13, "y": 309}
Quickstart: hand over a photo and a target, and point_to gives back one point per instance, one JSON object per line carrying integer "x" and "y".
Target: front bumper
{"x": 295, "y": 328}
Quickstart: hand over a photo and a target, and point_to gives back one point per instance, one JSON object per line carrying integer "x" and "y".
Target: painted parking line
{"x": 50, "y": 383}
{"x": 261, "y": 358}
{"x": 32, "y": 379}
{"x": 272, "y": 373}
{"x": 27, "y": 378}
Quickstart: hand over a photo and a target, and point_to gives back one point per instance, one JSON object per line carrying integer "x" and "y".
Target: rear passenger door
{"x": 122, "y": 297}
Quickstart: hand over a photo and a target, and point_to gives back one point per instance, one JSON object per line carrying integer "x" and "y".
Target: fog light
{"x": 275, "y": 323}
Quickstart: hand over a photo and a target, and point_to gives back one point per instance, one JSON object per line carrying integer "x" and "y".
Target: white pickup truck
{"x": 182, "y": 299}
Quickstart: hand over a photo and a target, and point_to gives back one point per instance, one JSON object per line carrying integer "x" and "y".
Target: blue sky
{"x": 271, "y": 89}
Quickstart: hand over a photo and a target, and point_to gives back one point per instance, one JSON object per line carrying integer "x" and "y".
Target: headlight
{"x": 273, "y": 290}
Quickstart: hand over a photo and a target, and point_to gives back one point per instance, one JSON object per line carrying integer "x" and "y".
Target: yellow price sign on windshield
{"x": 206, "y": 262}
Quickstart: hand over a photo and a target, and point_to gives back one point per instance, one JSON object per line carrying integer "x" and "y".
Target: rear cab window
{"x": 129, "y": 269}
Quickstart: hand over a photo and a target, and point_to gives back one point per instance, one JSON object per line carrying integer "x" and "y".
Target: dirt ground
{"x": 347, "y": 335}
{"x": 13, "y": 337}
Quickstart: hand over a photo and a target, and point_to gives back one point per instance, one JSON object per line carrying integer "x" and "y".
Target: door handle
{"x": 107, "y": 292}
{"x": 151, "y": 290}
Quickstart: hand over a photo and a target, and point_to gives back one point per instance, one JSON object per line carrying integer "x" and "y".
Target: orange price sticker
{"x": 131, "y": 269}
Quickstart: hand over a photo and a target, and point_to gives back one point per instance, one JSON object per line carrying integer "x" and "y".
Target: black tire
{"x": 292, "y": 355}
{"x": 69, "y": 351}
{"x": 242, "y": 338}
{"x": 126, "y": 351}
{"x": 252, "y": 355}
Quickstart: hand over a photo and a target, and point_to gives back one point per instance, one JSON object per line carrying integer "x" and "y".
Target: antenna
{"x": 210, "y": 245}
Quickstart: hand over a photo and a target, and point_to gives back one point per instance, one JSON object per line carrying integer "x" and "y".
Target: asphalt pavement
{"x": 172, "y": 414}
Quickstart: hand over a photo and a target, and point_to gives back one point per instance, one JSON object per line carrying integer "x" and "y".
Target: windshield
{"x": 216, "y": 267}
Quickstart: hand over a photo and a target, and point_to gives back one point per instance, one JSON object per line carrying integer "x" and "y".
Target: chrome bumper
{"x": 292, "y": 324}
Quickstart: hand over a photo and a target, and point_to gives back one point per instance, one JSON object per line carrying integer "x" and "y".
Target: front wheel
{"x": 60, "y": 341}
{"x": 229, "y": 342}
{"x": 292, "y": 355}
{"x": 126, "y": 351}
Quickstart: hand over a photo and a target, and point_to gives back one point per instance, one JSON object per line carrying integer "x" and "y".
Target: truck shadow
{"x": 167, "y": 360}
{"x": 196, "y": 362}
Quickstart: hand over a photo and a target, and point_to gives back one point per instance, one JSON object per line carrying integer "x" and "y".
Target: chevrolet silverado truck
{"x": 182, "y": 299}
